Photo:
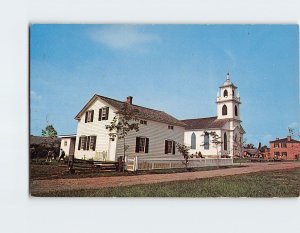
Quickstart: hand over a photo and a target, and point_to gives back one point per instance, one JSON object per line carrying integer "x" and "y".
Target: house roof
{"x": 205, "y": 123}
{"x": 67, "y": 136}
{"x": 251, "y": 151}
{"x": 40, "y": 140}
{"x": 143, "y": 112}
{"x": 285, "y": 140}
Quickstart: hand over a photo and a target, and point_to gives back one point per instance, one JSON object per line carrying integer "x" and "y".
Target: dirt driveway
{"x": 37, "y": 186}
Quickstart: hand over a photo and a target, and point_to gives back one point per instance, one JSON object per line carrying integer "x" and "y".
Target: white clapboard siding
{"x": 212, "y": 151}
{"x": 157, "y": 133}
{"x": 95, "y": 128}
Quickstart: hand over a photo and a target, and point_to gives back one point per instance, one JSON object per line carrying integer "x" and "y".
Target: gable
{"x": 89, "y": 105}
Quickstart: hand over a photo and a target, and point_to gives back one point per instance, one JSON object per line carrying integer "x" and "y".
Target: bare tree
{"x": 125, "y": 121}
{"x": 184, "y": 151}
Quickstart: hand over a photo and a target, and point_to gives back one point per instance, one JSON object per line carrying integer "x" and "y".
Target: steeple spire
{"x": 227, "y": 76}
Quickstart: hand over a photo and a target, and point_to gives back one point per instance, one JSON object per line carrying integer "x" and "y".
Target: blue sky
{"x": 174, "y": 68}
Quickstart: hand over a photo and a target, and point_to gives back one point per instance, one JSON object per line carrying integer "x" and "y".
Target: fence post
{"x": 136, "y": 163}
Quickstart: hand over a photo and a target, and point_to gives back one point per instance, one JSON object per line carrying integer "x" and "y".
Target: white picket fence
{"x": 136, "y": 163}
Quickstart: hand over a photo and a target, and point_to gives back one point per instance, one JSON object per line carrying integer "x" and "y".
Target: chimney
{"x": 129, "y": 99}
{"x": 289, "y": 138}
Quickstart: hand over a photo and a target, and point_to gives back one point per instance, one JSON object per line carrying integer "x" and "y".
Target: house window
{"x": 143, "y": 122}
{"x": 92, "y": 142}
{"x": 276, "y": 145}
{"x": 169, "y": 147}
{"x": 170, "y": 127}
{"x": 224, "y": 110}
{"x": 206, "y": 141}
{"x": 87, "y": 143}
{"x": 284, "y": 154}
{"x": 82, "y": 143}
{"x": 193, "y": 141}
{"x": 283, "y": 145}
{"x": 89, "y": 116}
{"x": 225, "y": 141}
{"x": 225, "y": 93}
{"x": 103, "y": 113}
{"x": 65, "y": 143}
{"x": 142, "y": 145}
{"x": 235, "y": 110}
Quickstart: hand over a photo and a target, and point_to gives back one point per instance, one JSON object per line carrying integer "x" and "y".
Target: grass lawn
{"x": 284, "y": 183}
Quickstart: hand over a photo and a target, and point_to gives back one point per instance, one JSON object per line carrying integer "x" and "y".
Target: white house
{"x": 67, "y": 143}
{"x": 158, "y": 131}
{"x": 226, "y": 125}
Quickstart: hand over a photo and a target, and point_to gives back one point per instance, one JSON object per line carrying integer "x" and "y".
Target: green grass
{"x": 285, "y": 183}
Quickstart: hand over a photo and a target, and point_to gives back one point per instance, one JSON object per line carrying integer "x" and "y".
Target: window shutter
{"x": 107, "y": 111}
{"x": 173, "y": 147}
{"x": 147, "y": 145}
{"x": 94, "y": 146}
{"x": 79, "y": 143}
{"x": 88, "y": 143}
{"x": 100, "y": 114}
{"x": 166, "y": 147}
{"x": 86, "y": 115}
{"x": 137, "y": 145}
{"x": 84, "y": 140}
{"x": 92, "y": 118}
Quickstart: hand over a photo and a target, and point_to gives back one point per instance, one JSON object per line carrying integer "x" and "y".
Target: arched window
{"x": 235, "y": 110}
{"x": 232, "y": 92}
{"x": 225, "y": 141}
{"x": 224, "y": 110}
{"x": 225, "y": 93}
{"x": 193, "y": 141}
{"x": 206, "y": 141}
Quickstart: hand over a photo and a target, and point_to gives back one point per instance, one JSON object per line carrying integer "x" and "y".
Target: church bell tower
{"x": 228, "y": 101}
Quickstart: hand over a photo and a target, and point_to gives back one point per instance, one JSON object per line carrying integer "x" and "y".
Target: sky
{"x": 174, "y": 68}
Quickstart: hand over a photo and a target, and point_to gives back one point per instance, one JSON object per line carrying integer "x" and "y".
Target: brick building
{"x": 285, "y": 149}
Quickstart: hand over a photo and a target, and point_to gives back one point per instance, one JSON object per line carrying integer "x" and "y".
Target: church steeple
{"x": 228, "y": 103}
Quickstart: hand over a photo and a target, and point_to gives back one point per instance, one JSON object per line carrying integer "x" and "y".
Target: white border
{"x": 20, "y": 213}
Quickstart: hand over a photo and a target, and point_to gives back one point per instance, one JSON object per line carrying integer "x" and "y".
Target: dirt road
{"x": 38, "y": 186}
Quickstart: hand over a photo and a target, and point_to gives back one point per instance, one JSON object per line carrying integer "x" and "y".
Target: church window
{"x": 235, "y": 110}
{"x": 225, "y": 141}
{"x": 193, "y": 141}
{"x": 232, "y": 92}
{"x": 206, "y": 141}
{"x": 224, "y": 110}
{"x": 225, "y": 93}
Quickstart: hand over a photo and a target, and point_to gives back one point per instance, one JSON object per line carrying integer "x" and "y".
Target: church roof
{"x": 205, "y": 123}
{"x": 228, "y": 82}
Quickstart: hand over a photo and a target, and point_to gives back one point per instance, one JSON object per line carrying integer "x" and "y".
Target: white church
{"x": 220, "y": 135}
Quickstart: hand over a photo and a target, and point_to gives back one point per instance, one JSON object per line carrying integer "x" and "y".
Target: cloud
{"x": 231, "y": 56}
{"x": 34, "y": 96}
{"x": 123, "y": 37}
{"x": 294, "y": 125}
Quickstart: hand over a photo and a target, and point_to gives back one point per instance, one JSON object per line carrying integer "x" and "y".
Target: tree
{"x": 184, "y": 151}
{"x": 49, "y": 131}
{"x": 216, "y": 139}
{"x": 125, "y": 121}
{"x": 291, "y": 131}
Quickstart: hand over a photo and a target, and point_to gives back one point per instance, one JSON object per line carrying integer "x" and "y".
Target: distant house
{"x": 68, "y": 144}
{"x": 158, "y": 131}
{"x": 39, "y": 145}
{"x": 227, "y": 125}
{"x": 285, "y": 148}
